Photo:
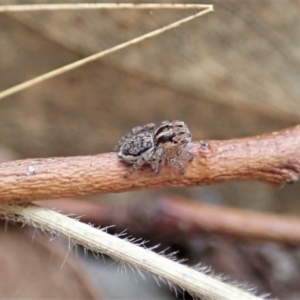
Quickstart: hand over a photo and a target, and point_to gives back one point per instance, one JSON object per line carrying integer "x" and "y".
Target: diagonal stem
{"x": 79, "y": 63}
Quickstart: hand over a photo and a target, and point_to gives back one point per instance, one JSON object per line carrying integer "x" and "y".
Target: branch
{"x": 273, "y": 158}
{"x": 200, "y": 217}
{"x": 170, "y": 212}
{"x": 196, "y": 283}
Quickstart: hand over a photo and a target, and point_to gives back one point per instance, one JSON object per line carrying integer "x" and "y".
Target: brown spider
{"x": 137, "y": 147}
{"x": 173, "y": 142}
{"x": 169, "y": 143}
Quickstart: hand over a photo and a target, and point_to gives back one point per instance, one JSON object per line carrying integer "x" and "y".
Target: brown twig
{"x": 273, "y": 158}
{"x": 200, "y": 218}
{"x": 182, "y": 218}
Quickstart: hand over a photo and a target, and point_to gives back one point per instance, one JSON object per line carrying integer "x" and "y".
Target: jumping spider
{"x": 170, "y": 143}
{"x": 137, "y": 147}
{"x": 173, "y": 142}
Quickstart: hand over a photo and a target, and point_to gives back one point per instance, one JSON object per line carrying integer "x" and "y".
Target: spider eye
{"x": 165, "y": 138}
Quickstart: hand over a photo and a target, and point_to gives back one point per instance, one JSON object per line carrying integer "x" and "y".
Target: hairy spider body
{"x": 172, "y": 140}
{"x": 169, "y": 143}
{"x": 137, "y": 147}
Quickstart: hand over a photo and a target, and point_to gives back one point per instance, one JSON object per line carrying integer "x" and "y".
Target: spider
{"x": 170, "y": 143}
{"x": 137, "y": 147}
{"x": 173, "y": 142}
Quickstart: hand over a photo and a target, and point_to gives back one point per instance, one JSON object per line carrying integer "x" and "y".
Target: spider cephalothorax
{"x": 173, "y": 142}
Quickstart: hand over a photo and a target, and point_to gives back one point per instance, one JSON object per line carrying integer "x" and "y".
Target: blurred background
{"x": 232, "y": 73}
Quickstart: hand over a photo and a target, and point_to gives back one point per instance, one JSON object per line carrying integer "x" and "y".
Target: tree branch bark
{"x": 272, "y": 158}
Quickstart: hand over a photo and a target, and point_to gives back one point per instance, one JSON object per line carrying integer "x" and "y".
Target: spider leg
{"x": 185, "y": 154}
{"x": 175, "y": 162}
{"x": 189, "y": 155}
{"x": 140, "y": 162}
{"x": 157, "y": 160}
{"x": 157, "y": 165}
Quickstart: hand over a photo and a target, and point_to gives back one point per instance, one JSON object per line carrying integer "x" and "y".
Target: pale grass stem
{"x": 176, "y": 274}
{"x": 90, "y": 6}
{"x": 17, "y": 88}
